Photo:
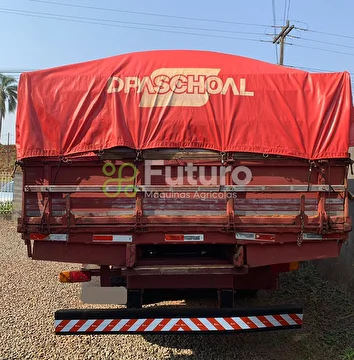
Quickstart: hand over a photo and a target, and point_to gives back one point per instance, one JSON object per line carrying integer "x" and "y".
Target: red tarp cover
{"x": 183, "y": 99}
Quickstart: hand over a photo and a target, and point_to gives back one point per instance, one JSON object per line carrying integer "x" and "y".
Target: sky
{"x": 39, "y": 34}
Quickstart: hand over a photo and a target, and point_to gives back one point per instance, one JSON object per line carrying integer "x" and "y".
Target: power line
{"x": 77, "y": 19}
{"x": 320, "y": 49}
{"x": 315, "y": 69}
{"x": 309, "y": 68}
{"x": 287, "y": 15}
{"x": 17, "y": 71}
{"x": 107, "y": 22}
{"x": 275, "y": 30}
{"x": 326, "y": 33}
{"x": 322, "y": 42}
{"x": 332, "y": 34}
{"x": 136, "y": 23}
{"x": 284, "y": 15}
{"x": 147, "y": 14}
{"x": 322, "y": 70}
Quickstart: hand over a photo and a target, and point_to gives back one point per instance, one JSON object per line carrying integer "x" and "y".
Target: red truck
{"x": 182, "y": 170}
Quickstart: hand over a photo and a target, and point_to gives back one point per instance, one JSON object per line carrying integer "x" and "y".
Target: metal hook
{"x": 223, "y": 157}
{"x": 311, "y": 162}
{"x": 138, "y": 155}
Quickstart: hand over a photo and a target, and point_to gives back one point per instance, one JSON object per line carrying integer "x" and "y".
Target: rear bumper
{"x": 122, "y": 255}
{"x": 173, "y": 321}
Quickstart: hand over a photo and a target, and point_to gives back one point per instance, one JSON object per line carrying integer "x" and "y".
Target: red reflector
{"x": 102, "y": 237}
{"x": 268, "y": 237}
{"x": 38, "y": 236}
{"x": 174, "y": 237}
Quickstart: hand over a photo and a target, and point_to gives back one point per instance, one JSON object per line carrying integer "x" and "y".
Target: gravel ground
{"x": 30, "y": 293}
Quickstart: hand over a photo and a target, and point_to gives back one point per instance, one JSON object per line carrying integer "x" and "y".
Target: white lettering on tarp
{"x": 179, "y": 86}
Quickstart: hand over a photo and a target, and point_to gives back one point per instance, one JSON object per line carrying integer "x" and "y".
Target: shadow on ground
{"x": 328, "y": 323}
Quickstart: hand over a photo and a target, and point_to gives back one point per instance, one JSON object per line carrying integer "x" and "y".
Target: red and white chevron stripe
{"x": 178, "y": 324}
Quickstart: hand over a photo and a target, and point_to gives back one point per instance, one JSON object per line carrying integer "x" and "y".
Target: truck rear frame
{"x": 233, "y": 237}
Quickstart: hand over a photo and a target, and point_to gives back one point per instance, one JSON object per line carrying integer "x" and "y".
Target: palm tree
{"x": 8, "y": 96}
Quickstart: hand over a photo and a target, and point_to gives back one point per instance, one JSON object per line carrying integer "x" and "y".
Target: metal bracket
{"x": 302, "y": 217}
{"x": 239, "y": 257}
{"x": 231, "y": 221}
{"x": 226, "y": 298}
{"x": 69, "y": 217}
{"x": 130, "y": 255}
{"x": 324, "y": 222}
{"x": 312, "y": 163}
{"x": 186, "y": 188}
{"x": 351, "y": 167}
{"x": 139, "y": 213}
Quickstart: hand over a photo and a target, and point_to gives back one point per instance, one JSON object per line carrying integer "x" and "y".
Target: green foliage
{"x": 6, "y": 207}
{"x": 348, "y": 354}
{"x": 8, "y": 96}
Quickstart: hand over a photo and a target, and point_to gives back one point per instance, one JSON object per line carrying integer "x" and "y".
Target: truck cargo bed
{"x": 121, "y": 207}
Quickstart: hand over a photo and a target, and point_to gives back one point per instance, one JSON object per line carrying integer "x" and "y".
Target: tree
{"x": 8, "y": 96}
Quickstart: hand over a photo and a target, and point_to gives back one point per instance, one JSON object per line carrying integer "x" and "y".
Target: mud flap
{"x": 173, "y": 321}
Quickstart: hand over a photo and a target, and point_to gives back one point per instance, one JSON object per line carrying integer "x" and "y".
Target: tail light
{"x": 279, "y": 268}
{"x": 75, "y": 276}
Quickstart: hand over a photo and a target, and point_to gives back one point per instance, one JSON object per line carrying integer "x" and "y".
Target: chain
{"x": 301, "y": 234}
{"x": 138, "y": 158}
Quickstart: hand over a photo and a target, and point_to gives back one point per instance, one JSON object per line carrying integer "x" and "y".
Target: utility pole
{"x": 8, "y": 150}
{"x": 280, "y": 39}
